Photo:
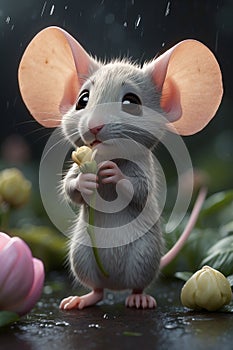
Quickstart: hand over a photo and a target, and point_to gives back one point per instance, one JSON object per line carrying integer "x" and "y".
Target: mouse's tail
{"x": 171, "y": 254}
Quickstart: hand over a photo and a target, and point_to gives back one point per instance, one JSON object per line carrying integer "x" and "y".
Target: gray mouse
{"x": 100, "y": 104}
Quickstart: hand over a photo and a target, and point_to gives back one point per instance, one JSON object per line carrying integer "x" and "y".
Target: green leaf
{"x": 220, "y": 256}
{"x": 227, "y": 229}
{"x": 222, "y": 245}
{"x": 216, "y": 202}
{"x": 8, "y": 317}
{"x": 184, "y": 276}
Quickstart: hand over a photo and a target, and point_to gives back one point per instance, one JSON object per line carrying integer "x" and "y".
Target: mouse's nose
{"x": 96, "y": 129}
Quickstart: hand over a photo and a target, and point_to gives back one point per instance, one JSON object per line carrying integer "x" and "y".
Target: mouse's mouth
{"x": 95, "y": 143}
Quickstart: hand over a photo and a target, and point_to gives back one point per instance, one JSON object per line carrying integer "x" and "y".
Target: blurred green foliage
{"x": 211, "y": 242}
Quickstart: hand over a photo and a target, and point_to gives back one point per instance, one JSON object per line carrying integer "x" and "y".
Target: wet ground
{"x": 110, "y": 325}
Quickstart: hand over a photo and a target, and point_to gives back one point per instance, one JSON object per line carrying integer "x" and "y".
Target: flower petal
{"x": 28, "y": 303}
{"x": 4, "y": 239}
{"x": 17, "y": 273}
{"x": 8, "y": 259}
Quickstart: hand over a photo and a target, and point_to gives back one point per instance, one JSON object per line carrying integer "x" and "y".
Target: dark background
{"x": 136, "y": 28}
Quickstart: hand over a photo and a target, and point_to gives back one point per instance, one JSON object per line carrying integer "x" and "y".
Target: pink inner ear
{"x": 170, "y": 100}
{"x": 48, "y": 78}
{"x": 70, "y": 94}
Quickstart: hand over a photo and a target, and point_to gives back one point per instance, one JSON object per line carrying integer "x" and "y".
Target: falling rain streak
{"x": 137, "y": 22}
{"x": 167, "y": 9}
{"x": 52, "y": 10}
{"x": 43, "y": 9}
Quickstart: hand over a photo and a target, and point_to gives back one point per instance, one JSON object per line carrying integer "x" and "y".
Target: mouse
{"x": 107, "y": 107}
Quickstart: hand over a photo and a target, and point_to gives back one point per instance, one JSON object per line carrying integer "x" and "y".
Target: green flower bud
{"x": 14, "y": 188}
{"x": 207, "y": 289}
{"x": 83, "y": 156}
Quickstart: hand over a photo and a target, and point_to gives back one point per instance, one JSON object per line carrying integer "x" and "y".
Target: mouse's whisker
{"x": 37, "y": 130}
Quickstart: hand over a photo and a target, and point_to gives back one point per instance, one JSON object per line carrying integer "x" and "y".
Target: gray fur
{"x": 132, "y": 265}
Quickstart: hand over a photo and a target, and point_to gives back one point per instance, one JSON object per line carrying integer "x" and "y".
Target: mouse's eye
{"x": 132, "y": 104}
{"x": 82, "y": 100}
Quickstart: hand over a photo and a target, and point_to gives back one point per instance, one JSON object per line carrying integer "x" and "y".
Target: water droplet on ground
{"x": 171, "y": 326}
{"x": 93, "y": 325}
{"x": 62, "y": 324}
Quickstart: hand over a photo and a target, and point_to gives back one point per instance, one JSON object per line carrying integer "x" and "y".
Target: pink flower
{"x": 21, "y": 276}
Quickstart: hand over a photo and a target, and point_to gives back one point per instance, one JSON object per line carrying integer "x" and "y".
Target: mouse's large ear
{"x": 51, "y": 72}
{"x": 190, "y": 82}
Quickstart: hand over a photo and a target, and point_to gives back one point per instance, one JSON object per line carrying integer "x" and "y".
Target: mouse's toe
{"x": 140, "y": 301}
{"x": 76, "y": 302}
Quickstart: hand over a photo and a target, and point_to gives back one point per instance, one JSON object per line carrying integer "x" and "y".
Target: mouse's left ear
{"x": 190, "y": 82}
{"x": 51, "y": 72}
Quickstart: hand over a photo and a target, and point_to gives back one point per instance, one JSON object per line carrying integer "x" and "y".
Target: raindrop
{"x": 132, "y": 2}
{"x": 138, "y": 20}
{"x": 62, "y": 324}
{"x": 171, "y": 326}
{"x": 52, "y": 10}
{"x": 167, "y": 12}
{"x": 45, "y": 325}
{"x": 93, "y": 325}
{"x": 163, "y": 44}
{"x": 12, "y": 27}
{"x": 105, "y": 316}
{"x": 8, "y": 19}
{"x": 43, "y": 8}
{"x": 66, "y": 7}
{"x": 125, "y": 24}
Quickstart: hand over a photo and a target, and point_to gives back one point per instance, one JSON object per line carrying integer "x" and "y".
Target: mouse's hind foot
{"x": 76, "y": 302}
{"x": 140, "y": 301}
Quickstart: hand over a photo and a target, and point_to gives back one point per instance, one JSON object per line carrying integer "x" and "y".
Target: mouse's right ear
{"x": 51, "y": 72}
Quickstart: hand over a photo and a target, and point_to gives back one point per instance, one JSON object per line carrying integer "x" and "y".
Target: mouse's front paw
{"x": 86, "y": 183}
{"x": 110, "y": 172}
